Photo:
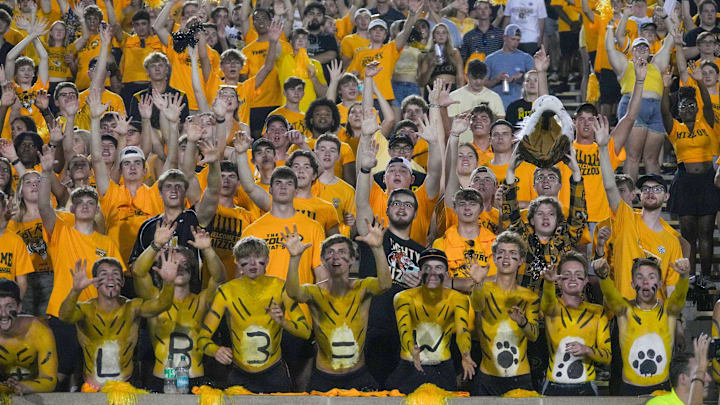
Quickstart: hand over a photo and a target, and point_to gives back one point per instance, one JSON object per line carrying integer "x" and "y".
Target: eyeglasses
{"x": 404, "y": 204}
{"x": 654, "y": 189}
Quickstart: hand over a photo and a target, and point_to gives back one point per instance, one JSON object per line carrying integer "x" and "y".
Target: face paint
{"x": 14, "y": 314}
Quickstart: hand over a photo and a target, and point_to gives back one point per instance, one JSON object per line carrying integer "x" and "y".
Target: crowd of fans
{"x": 333, "y": 179}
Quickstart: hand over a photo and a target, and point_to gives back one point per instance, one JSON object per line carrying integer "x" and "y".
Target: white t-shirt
{"x": 469, "y": 100}
{"x": 526, "y": 13}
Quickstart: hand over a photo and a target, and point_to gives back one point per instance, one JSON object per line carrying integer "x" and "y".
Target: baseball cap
{"x": 362, "y": 11}
{"x": 648, "y": 177}
{"x": 432, "y": 254}
{"x": 9, "y": 288}
{"x": 137, "y": 125}
{"x": 377, "y": 22}
{"x": 512, "y": 30}
{"x": 402, "y": 160}
{"x": 400, "y": 138}
{"x": 640, "y": 41}
{"x": 129, "y": 152}
{"x": 276, "y": 117}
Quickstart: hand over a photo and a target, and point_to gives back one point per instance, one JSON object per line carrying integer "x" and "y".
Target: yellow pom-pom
{"x": 121, "y": 393}
{"x": 521, "y": 393}
{"x": 237, "y": 390}
{"x": 593, "y": 89}
{"x": 155, "y": 3}
{"x": 209, "y": 395}
{"x": 605, "y": 9}
{"x": 429, "y": 394}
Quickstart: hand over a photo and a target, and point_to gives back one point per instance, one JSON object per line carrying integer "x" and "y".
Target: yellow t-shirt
{"x": 346, "y": 155}
{"x": 524, "y": 176}
{"x": 181, "y": 66}
{"x": 134, "y": 54}
{"x": 124, "y": 214}
{"x": 28, "y": 108}
{"x": 460, "y": 251}
{"x": 631, "y": 238}
{"x": 387, "y": 55}
{"x": 35, "y": 238}
{"x": 82, "y": 120}
{"x": 653, "y": 80}
{"x": 500, "y": 337}
{"x": 269, "y": 94}
{"x": 488, "y": 219}
{"x": 227, "y": 226}
{"x": 586, "y": 324}
{"x": 699, "y": 146}
{"x": 57, "y": 68}
{"x": 351, "y": 43}
{"x": 297, "y": 65}
{"x": 296, "y": 120}
{"x": 30, "y": 355}
{"x": 256, "y": 337}
{"x": 318, "y": 210}
{"x": 598, "y": 207}
{"x": 341, "y": 195}
{"x": 67, "y": 246}
{"x": 85, "y": 55}
{"x": 14, "y": 258}
{"x": 428, "y": 318}
{"x": 270, "y": 229}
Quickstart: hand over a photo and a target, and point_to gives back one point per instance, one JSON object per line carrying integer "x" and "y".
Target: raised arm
{"x": 33, "y": 31}
{"x": 542, "y": 63}
{"x": 366, "y": 161}
{"x": 402, "y": 37}
{"x": 47, "y": 212}
{"x": 142, "y": 265}
{"x": 388, "y": 114}
{"x": 612, "y": 297}
{"x": 667, "y": 117}
{"x": 257, "y": 194}
{"x": 113, "y": 23}
{"x": 374, "y": 239}
{"x": 431, "y": 131}
{"x": 602, "y": 137}
{"x": 335, "y": 73}
{"x": 102, "y": 178}
{"x": 159, "y": 24}
{"x": 197, "y": 82}
{"x": 293, "y": 243}
{"x": 207, "y": 206}
{"x": 589, "y": 14}
{"x": 676, "y": 301}
{"x": 460, "y": 124}
{"x": 69, "y": 311}
{"x": 622, "y": 130}
{"x": 273, "y": 52}
{"x": 622, "y": 25}
{"x": 549, "y": 301}
{"x": 617, "y": 59}
{"x": 168, "y": 270}
{"x": 170, "y": 106}
{"x": 42, "y": 73}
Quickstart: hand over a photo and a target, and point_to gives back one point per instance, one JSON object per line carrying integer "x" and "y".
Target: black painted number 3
{"x": 262, "y": 349}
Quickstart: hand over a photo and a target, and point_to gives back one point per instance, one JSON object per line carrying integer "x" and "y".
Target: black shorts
{"x": 69, "y": 357}
{"x": 693, "y": 194}
{"x": 407, "y": 379}
{"x": 629, "y": 390}
{"x": 276, "y": 378}
{"x": 491, "y": 386}
{"x": 553, "y": 389}
{"x": 569, "y": 43}
{"x": 157, "y": 385}
{"x": 257, "y": 117}
{"x": 609, "y": 87}
{"x": 360, "y": 380}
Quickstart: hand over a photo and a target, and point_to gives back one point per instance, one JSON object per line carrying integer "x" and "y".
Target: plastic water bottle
{"x": 506, "y": 86}
{"x": 183, "y": 376}
{"x": 439, "y": 54}
{"x": 170, "y": 386}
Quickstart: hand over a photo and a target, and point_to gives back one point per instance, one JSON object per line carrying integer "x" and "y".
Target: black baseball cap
{"x": 276, "y": 117}
{"x": 432, "y": 254}
{"x": 400, "y": 138}
{"x": 648, "y": 177}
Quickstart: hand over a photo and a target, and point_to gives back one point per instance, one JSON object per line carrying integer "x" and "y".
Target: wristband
{"x": 217, "y": 121}
{"x": 154, "y": 246}
{"x": 364, "y": 170}
{"x": 697, "y": 379}
{"x": 433, "y": 105}
{"x": 523, "y": 326}
{"x": 452, "y": 283}
{"x": 16, "y": 161}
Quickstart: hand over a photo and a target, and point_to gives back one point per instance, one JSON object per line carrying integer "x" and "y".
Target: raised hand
{"x": 601, "y": 267}
{"x": 335, "y": 70}
{"x": 56, "y": 133}
{"x": 542, "y": 60}
{"x": 94, "y": 101}
{"x": 602, "y": 130}
{"x": 122, "y": 125}
{"x": 164, "y": 232}
{"x": 242, "y": 142}
{"x": 80, "y": 277}
{"x": 7, "y": 150}
{"x": 681, "y": 266}
{"x": 210, "y": 151}
{"x": 478, "y": 272}
{"x": 700, "y": 349}
{"x": 376, "y": 232}
{"x": 42, "y": 101}
{"x": 603, "y": 235}
{"x": 169, "y": 264}
{"x": 47, "y": 158}
{"x": 9, "y": 96}
{"x": 39, "y": 27}
{"x": 460, "y": 123}
{"x": 201, "y": 238}
{"x": 372, "y": 68}
{"x": 550, "y": 274}
{"x": 145, "y": 106}
{"x": 516, "y": 314}
{"x": 640, "y": 66}
{"x": 220, "y": 107}
{"x": 106, "y": 34}
{"x": 367, "y": 159}
{"x": 275, "y": 30}
{"x": 370, "y": 124}
{"x": 193, "y": 128}
{"x": 296, "y": 138}
{"x": 444, "y": 97}
{"x": 426, "y": 131}
{"x": 276, "y": 312}
{"x": 292, "y": 241}
{"x": 174, "y": 107}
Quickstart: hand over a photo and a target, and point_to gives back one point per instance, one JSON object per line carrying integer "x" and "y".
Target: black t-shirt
{"x": 517, "y": 110}
{"x": 402, "y": 256}
{"x": 319, "y": 43}
{"x": 134, "y": 109}
{"x": 185, "y": 221}
{"x": 691, "y": 36}
{"x": 390, "y": 17}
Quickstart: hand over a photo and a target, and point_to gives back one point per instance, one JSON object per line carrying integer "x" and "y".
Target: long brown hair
{"x": 19, "y": 201}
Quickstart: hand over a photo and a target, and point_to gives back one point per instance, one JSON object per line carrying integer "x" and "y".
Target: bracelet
{"x": 526, "y": 322}
{"x": 433, "y": 105}
{"x": 698, "y": 379}
{"x": 154, "y": 246}
{"x": 16, "y": 161}
{"x": 217, "y": 121}
{"x": 364, "y": 170}
{"x": 454, "y": 135}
